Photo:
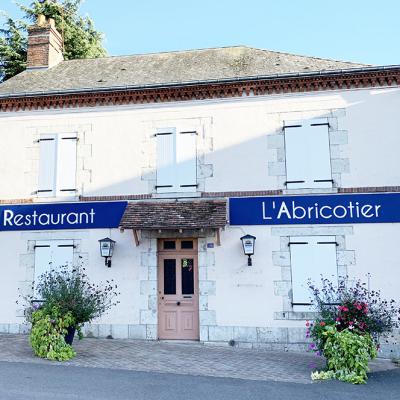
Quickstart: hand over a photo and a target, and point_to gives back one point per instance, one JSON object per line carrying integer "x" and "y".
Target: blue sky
{"x": 355, "y": 30}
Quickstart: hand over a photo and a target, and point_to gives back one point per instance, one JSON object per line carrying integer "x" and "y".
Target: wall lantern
{"x": 248, "y": 246}
{"x": 107, "y": 249}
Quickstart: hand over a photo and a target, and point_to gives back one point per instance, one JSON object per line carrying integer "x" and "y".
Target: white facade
{"x": 240, "y": 150}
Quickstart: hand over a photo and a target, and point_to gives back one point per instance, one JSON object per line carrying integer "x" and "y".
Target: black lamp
{"x": 248, "y": 242}
{"x": 107, "y": 249}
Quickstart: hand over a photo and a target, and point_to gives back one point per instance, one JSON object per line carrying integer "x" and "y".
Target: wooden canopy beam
{"x": 136, "y": 236}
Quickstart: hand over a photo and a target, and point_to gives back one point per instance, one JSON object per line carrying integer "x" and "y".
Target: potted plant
{"x": 351, "y": 320}
{"x": 68, "y": 300}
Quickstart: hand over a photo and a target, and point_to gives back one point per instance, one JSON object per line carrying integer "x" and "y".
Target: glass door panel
{"x": 170, "y": 276}
{"x": 187, "y": 275}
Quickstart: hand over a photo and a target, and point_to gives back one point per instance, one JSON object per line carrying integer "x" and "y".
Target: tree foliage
{"x": 13, "y": 44}
{"x": 81, "y": 39}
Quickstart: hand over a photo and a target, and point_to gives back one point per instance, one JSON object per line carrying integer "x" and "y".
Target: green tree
{"x": 81, "y": 39}
{"x": 13, "y": 44}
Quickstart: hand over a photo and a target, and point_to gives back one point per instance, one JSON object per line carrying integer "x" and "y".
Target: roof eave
{"x": 282, "y": 76}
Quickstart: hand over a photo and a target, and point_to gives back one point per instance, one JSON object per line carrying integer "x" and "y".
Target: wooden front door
{"x": 178, "y": 294}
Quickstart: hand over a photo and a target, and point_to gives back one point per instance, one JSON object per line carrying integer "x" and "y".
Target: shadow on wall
{"x": 236, "y": 164}
{"x": 242, "y": 164}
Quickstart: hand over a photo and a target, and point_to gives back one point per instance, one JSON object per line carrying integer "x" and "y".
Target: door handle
{"x": 178, "y": 303}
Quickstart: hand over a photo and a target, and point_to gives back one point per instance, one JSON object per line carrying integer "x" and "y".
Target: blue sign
{"x": 82, "y": 215}
{"x": 315, "y": 209}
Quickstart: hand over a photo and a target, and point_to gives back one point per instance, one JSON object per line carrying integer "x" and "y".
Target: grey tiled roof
{"x": 175, "y": 215}
{"x": 166, "y": 68}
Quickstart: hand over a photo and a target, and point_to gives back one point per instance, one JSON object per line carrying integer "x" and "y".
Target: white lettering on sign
{"x": 292, "y": 211}
{"x": 45, "y": 219}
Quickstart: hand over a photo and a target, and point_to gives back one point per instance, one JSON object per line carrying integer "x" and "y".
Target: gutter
{"x": 283, "y": 76}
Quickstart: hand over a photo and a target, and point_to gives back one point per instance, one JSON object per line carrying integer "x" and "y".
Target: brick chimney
{"x": 45, "y": 44}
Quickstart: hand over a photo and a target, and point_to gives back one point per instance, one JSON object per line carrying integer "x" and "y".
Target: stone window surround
{"x": 345, "y": 259}
{"x": 337, "y": 139}
{"x": 83, "y": 159}
{"x": 203, "y": 125}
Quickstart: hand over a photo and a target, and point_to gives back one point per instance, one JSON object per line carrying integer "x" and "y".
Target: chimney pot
{"x": 41, "y": 20}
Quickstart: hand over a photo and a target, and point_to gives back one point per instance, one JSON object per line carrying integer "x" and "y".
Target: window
{"x": 176, "y": 160}
{"x": 52, "y": 254}
{"x": 308, "y": 161}
{"x": 311, "y": 257}
{"x": 57, "y": 165}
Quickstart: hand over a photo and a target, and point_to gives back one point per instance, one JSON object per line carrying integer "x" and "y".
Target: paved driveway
{"x": 180, "y": 358}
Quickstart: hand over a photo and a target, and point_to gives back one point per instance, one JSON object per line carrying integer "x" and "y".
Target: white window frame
{"x": 307, "y": 154}
{"x": 55, "y": 170}
{"x": 309, "y": 260}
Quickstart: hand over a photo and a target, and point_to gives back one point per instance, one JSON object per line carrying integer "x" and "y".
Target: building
{"x": 176, "y": 156}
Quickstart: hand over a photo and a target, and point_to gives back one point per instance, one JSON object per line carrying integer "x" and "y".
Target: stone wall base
{"x": 272, "y": 339}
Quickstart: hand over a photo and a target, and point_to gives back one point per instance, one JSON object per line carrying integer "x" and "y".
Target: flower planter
{"x": 69, "y": 337}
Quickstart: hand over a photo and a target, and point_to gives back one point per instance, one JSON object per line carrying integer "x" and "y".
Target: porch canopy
{"x": 175, "y": 215}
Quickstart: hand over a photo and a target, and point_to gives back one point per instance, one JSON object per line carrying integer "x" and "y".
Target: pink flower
{"x": 307, "y": 323}
{"x": 322, "y": 323}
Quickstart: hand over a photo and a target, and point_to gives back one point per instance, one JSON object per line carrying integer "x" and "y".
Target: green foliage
{"x": 47, "y": 335}
{"x": 316, "y": 331}
{"x": 322, "y": 375}
{"x": 81, "y": 39}
{"x": 69, "y": 299}
{"x": 71, "y": 292}
{"x": 13, "y": 45}
{"x": 347, "y": 354}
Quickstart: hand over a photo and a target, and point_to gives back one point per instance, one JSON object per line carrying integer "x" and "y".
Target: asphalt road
{"x": 34, "y": 381}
